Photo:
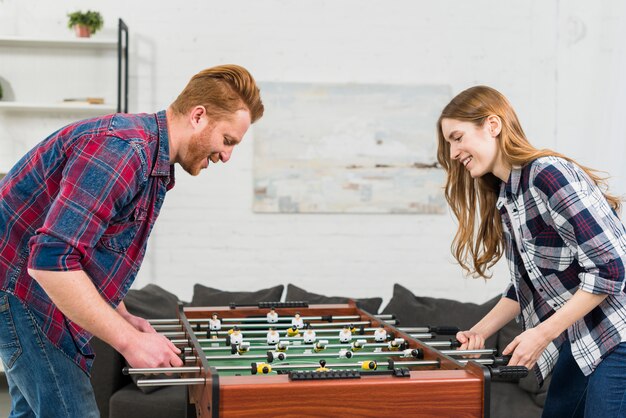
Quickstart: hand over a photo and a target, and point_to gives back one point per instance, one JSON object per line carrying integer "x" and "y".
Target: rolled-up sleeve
{"x": 586, "y": 223}
{"x": 510, "y": 292}
{"x": 102, "y": 175}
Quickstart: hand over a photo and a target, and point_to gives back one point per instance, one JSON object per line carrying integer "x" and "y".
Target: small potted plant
{"x": 85, "y": 23}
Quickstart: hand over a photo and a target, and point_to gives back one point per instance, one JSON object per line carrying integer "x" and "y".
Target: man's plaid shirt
{"x": 86, "y": 198}
{"x": 561, "y": 235}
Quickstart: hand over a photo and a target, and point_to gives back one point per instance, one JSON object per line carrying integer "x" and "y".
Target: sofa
{"x": 118, "y": 396}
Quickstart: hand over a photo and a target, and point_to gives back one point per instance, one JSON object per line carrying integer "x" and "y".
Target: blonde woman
{"x": 564, "y": 243}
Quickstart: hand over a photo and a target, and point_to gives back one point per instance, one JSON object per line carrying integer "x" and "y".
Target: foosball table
{"x": 295, "y": 359}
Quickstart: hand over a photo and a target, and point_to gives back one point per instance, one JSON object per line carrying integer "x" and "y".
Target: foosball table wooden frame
{"x": 446, "y": 387}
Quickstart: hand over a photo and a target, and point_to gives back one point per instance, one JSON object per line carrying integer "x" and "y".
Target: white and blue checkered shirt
{"x": 561, "y": 235}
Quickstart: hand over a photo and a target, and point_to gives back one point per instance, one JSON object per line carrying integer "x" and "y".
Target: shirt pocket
{"x": 120, "y": 235}
{"x": 548, "y": 251}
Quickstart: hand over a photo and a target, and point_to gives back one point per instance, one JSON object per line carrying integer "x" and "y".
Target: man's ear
{"x": 196, "y": 116}
{"x": 494, "y": 124}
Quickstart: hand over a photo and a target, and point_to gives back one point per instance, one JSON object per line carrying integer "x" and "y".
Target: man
{"x": 75, "y": 216}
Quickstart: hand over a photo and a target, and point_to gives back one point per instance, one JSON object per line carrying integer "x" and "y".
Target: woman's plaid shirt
{"x": 561, "y": 236}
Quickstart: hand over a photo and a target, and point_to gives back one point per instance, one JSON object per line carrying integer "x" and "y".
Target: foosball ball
{"x": 295, "y": 359}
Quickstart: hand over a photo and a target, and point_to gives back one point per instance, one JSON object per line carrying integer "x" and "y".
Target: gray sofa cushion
{"x": 370, "y": 305}
{"x": 130, "y": 402}
{"x": 208, "y": 296}
{"x": 412, "y": 311}
{"x": 508, "y": 401}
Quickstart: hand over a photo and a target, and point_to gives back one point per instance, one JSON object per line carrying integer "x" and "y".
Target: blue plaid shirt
{"x": 561, "y": 235}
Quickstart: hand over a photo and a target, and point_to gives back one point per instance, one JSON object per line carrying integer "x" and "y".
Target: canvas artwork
{"x": 348, "y": 148}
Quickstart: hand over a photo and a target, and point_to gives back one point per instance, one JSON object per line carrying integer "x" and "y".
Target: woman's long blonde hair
{"x": 478, "y": 243}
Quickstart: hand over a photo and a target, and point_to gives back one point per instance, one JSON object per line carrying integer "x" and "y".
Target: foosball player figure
{"x": 358, "y": 344}
{"x": 345, "y": 353}
{"x": 352, "y": 328}
{"x": 308, "y": 336}
{"x": 273, "y": 337}
{"x": 282, "y": 346}
{"x": 236, "y": 337}
{"x": 293, "y": 331}
{"x": 272, "y": 316}
{"x": 320, "y": 345}
{"x": 412, "y": 353}
{"x": 396, "y": 344}
{"x": 261, "y": 368}
{"x": 322, "y": 367}
{"x": 345, "y": 335}
{"x": 214, "y": 323}
{"x": 243, "y": 348}
{"x": 297, "y": 321}
{"x": 380, "y": 335}
{"x": 369, "y": 365}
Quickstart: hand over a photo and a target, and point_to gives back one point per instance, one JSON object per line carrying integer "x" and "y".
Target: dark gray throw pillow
{"x": 152, "y": 302}
{"x": 415, "y": 311}
{"x": 294, "y": 293}
{"x": 208, "y": 296}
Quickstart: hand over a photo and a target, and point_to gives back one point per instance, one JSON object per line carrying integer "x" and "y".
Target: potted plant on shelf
{"x": 85, "y": 23}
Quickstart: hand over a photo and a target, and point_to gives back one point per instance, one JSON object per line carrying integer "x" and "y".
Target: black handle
{"x": 444, "y": 330}
{"x": 502, "y": 360}
{"x": 509, "y": 373}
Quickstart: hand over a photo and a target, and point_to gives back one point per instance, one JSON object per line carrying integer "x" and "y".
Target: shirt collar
{"x": 162, "y": 165}
{"x": 511, "y": 187}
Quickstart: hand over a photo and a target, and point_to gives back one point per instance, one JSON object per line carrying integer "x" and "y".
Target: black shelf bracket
{"x": 122, "y": 71}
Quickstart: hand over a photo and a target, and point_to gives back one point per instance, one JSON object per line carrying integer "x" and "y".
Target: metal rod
{"x": 332, "y": 366}
{"x": 159, "y": 370}
{"x": 298, "y": 346}
{"x": 173, "y": 331}
{"x": 244, "y": 356}
{"x": 289, "y": 318}
{"x": 179, "y": 334}
{"x": 384, "y": 317}
{"x": 485, "y": 351}
{"x": 439, "y": 343}
{"x": 292, "y": 339}
{"x": 172, "y": 382}
{"x": 365, "y": 346}
{"x": 485, "y": 361}
{"x": 414, "y": 329}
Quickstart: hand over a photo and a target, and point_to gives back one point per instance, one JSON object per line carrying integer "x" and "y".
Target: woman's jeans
{"x": 601, "y": 394}
{"x": 43, "y": 381}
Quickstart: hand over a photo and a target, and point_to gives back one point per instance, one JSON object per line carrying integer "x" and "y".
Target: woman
{"x": 565, "y": 247}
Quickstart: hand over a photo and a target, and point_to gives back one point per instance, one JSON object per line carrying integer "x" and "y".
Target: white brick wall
{"x": 555, "y": 61}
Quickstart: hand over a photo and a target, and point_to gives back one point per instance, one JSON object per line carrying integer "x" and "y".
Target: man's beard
{"x": 195, "y": 156}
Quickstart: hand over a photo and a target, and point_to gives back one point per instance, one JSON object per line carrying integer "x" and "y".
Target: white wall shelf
{"x": 90, "y": 43}
{"x": 79, "y": 68}
{"x": 53, "y": 107}
{"x": 41, "y": 44}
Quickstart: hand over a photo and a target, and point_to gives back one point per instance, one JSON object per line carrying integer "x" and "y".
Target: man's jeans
{"x": 43, "y": 381}
{"x": 601, "y": 394}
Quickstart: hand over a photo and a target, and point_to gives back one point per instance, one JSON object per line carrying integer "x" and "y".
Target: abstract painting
{"x": 348, "y": 148}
